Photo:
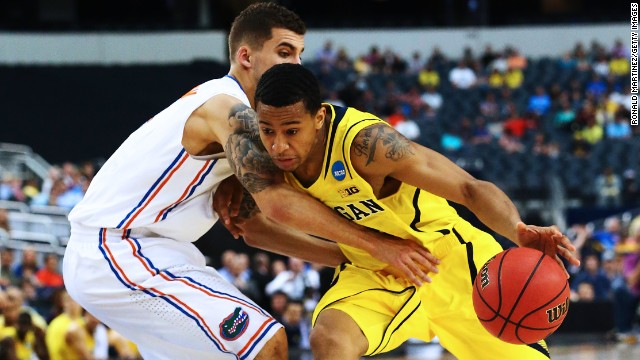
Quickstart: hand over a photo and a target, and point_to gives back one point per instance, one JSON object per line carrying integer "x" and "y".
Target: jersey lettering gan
{"x": 410, "y": 213}
{"x": 152, "y": 182}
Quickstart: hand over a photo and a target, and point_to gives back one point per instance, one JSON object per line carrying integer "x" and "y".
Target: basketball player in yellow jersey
{"x": 361, "y": 167}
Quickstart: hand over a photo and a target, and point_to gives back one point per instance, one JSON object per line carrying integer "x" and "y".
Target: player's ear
{"x": 243, "y": 56}
{"x": 320, "y": 116}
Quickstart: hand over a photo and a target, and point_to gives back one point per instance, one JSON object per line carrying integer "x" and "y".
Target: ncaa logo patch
{"x": 338, "y": 171}
{"x": 234, "y": 325}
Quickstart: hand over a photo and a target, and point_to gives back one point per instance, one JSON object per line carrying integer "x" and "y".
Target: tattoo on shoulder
{"x": 248, "y": 206}
{"x": 246, "y": 154}
{"x": 381, "y": 138}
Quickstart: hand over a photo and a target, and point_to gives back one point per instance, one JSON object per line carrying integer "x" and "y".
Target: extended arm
{"x": 379, "y": 152}
{"x": 263, "y": 233}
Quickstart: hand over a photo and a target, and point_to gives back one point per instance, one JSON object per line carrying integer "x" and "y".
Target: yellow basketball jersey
{"x": 56, "y": 335}
{"x": 410, "y": 213}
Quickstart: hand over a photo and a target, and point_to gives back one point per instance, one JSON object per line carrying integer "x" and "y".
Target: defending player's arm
{"x": 260, "y": 232}
{"x": 284, "y": 204}
{"x": 379, "y": 151}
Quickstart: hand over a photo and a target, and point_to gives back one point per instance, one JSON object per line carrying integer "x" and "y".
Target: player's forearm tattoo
{"x": 248, "y": 206}
{"x": 246, "y": 154}
{"x": 392, "y": 142}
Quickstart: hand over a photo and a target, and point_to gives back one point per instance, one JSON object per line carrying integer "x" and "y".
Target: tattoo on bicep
{"x": 392, "y": 142}
{"x": 248, "y": 206}
{"x": 244, "y": 119}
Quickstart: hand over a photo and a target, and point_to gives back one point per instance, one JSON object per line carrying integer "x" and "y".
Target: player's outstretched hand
{"x": 549, "y": 240}
{"x": 226, "y": 202}
{"x": 409, "y": 257}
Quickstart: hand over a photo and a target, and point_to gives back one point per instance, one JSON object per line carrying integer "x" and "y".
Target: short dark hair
{"x": 254, "y": 24}
{"x": 287, "y": 84}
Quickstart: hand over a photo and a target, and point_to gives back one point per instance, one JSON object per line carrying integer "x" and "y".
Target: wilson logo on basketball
{"x": 484, "y": 274}
{"x": 558, "y": 311}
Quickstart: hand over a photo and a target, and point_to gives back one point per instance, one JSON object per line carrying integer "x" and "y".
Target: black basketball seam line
{"x": 522, "y": 326}
{"x": 496, "y": 312}
{"x": 518, "y": 325}
{"x": 524, "y": 288}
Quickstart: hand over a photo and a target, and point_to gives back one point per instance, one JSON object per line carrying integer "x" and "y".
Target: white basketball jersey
{"x": 151, "y": 181}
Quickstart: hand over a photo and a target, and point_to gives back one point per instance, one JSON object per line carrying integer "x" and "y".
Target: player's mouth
{"x": 284, "y": 162}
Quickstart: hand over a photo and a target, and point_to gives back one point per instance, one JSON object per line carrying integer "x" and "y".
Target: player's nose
{"x": 279, "y": 145}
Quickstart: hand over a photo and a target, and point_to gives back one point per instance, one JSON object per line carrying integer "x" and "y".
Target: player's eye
{"x": 267, "y": 131}
{"x": 292, "y": 131}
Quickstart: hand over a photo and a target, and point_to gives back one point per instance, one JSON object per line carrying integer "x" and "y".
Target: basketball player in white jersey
{"x": 130, "y": 260}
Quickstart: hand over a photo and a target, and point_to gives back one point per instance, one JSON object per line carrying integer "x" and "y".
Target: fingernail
{"x": 435, "y": 270}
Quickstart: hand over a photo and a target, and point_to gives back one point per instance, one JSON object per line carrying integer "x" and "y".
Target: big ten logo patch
{"x": 348, "y": 191}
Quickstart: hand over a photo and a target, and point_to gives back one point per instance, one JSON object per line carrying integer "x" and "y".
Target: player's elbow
{"x": 471, "y": 190}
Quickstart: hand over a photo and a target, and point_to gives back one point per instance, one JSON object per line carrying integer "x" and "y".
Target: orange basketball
{"x": 521, "y": 295}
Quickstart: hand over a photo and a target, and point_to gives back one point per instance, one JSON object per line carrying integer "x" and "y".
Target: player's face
{"x": 285, "y": 46}
{"x": 291, "y": 134}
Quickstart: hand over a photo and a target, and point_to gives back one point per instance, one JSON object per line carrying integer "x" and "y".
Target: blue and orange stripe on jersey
{"x": 191, "y": 188}
{"x": 155, "y": 188}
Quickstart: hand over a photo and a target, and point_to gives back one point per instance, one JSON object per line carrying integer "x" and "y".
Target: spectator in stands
{"x": 28, "y": 339}
{"x": 241, "y": 276}
{"x": 515, "y": 60}
{"x": 499, "y": 64}
{"x": 7, "y": 276}
{"x": 278, "y": 304}
{"x": 15, "y": 305}
{"x": 586, "y": 137}
{"x": 71, "y": 334}
{"x": 327, "y": 54}
{"x": 565, "y": 116}
{"x": 49, "y": 275}
{"x": 487, "y": 57}
{"x": 343, "y": 61}
{"x": 431, "y": 97}
{"x": 11, "y": 188}
{"x": 592, "y": 274}
{"x": 28, "y": 265}
{"x": 489, "y": 107}
{"x": 437, "y": 57}
{"x": 30, "y": 190}
{"x": 428, "y": 76}
{"x": 495, "y": 80}
{"x": 451, "y": 141}
{"x": 5, "y": 228}
{"x": 540, "y": 146}
{"x": 567, "y": 62}
{"x": 296, "y": 326}
{"x": 619, "y": 128}
{"x": 514, "y": 78}
{"x": 608, "y": 188}
{"x": 295, "y": 280}
{"x": 596, "y": 86}
{"x": 416, "y": 63}
{"x": 462, "y": 76}
{"x": 619, "y": 67}
{"x": 540, "y": 102}
{"x": 226, "y": 260}
{"x": 481, "y": 133}
{"x": 261, "y": 276}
